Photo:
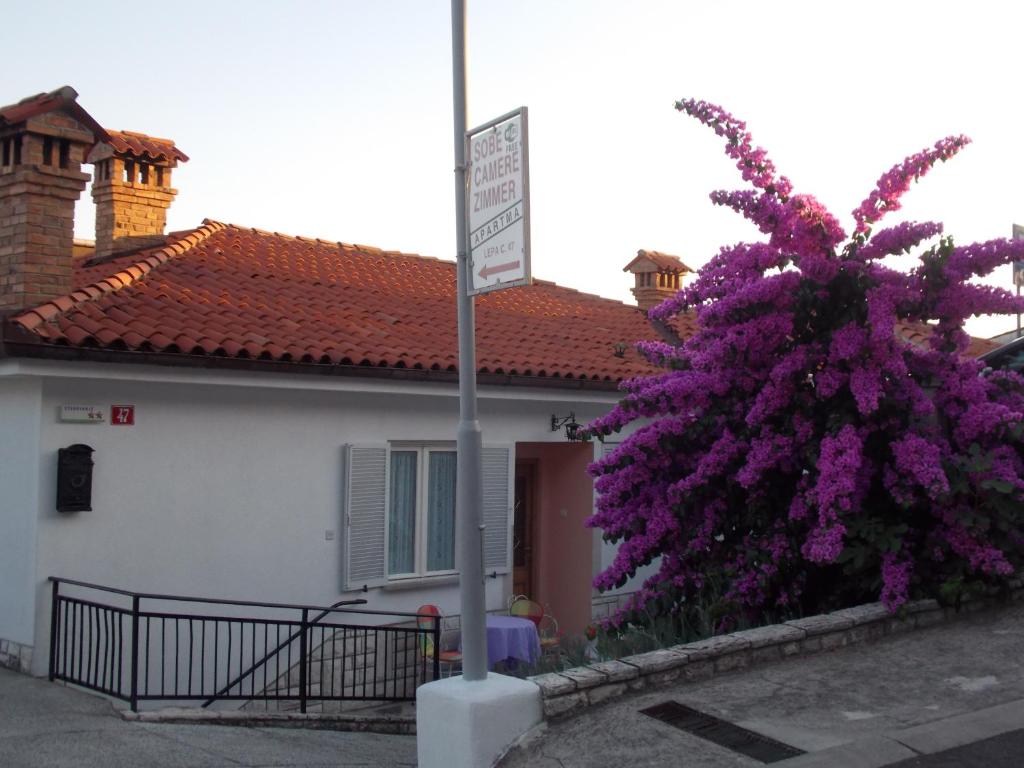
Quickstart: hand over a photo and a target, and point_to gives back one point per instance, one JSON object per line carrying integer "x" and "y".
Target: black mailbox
{"x": 74, "y": 478}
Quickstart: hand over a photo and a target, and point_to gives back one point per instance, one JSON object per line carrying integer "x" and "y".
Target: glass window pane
{"x": 441, "y": 511}
{"x": 402, "y": 513}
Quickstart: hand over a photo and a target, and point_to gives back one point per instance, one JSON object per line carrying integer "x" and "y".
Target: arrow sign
{"x": 498, "y": 204}
{"x": 497, "y": 269}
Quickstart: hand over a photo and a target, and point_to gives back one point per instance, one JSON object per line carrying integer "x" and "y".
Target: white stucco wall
{"x": 20, "y": 400}
{"x": 228, "y": 484}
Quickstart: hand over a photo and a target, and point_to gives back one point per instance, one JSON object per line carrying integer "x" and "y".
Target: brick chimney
{"x": 43, "y": 140}
{"x": 658, "y": 277}
{"x": 132, "y": 190}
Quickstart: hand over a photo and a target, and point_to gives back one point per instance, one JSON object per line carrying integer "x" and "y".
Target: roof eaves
{"x": 16, "y": 341}
{"x": 1001, "y": 355}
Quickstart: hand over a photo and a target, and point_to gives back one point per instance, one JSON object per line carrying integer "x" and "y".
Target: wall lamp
{"x": 572, "y": 429}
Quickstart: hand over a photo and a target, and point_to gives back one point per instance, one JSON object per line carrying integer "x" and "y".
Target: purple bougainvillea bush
{"x": 797, "y": 453}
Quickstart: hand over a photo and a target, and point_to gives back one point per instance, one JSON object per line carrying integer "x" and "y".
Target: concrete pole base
{"x": 462, "y": 724}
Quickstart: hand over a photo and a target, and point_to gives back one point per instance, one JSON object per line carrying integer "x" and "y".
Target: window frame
{"x": 423, "y": 450}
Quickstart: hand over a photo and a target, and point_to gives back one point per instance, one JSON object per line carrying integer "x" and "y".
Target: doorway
{"x": 523, "y": 528}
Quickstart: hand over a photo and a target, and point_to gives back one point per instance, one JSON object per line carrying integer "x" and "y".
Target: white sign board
{"x": 81, "y": 414}
{"x": 498, "y": 203}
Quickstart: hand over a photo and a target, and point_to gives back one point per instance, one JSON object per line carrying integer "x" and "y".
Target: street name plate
{"x": 82, "y": 414}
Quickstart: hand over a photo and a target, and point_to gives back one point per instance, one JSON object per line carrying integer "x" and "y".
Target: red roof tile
{"x": 663, "y": 261}
{"x": 240, "y": 292}
{"x": 63, "y": 98}
{"x": 918, "y": 333}
{"x": 979, "y": 347}
{"x": 142, "y": 146}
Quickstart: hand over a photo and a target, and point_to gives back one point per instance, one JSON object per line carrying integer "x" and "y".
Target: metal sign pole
{"x": 1018, "y": 269}
{"x": 469, "y": 494}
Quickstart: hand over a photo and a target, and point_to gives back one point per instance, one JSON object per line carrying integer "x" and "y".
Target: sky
{"x": 334, "y": 119}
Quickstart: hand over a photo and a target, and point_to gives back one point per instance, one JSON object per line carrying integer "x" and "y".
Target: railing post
{"x": 134, "y": 701}
{"x": 54, "y": 630}
{"x": 302, "y": 661}
{"x": 437, "y": 647}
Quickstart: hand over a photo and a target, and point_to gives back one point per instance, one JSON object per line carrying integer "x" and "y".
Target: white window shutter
{"x": 498, "y": 501}
{"x": 364, "y": 510}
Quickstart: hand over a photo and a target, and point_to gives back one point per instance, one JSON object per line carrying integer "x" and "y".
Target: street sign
{"x": 498, "y": 203}
{"x": 1018, "y": 266}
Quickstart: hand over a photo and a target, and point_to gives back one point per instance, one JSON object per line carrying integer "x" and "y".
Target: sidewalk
{"x": 48, "y": 725}
{"x": 923, "y": 692}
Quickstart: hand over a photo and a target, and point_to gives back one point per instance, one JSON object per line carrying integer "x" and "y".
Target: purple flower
{"x": 896, "y": 181}
{"x": 919, "y": 461}
{"x": 899, "y": 239}
{"x": 895, "y": 581}
{"x": 797, "y": 437}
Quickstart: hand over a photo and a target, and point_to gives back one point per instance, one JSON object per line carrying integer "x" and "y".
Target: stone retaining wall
{"x": 565, "y": 693}
{"x": 15, "y": 656}
{"x": 604, "y": 606}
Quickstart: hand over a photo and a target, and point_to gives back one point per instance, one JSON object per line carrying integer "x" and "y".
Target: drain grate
{"x": 725, "y": 734}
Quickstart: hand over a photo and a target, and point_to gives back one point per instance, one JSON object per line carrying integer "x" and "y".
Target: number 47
{"x": 122, "y": 415}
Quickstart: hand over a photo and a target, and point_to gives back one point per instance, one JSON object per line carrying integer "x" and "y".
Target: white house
{"x": 268, "y": 417}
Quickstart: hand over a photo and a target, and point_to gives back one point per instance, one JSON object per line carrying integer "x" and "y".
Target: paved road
{"x": 863, "y": 706}
{"x": 46, "y": 725}
{"x": 1006, "y": 751}
{"x": 886, "y": 704}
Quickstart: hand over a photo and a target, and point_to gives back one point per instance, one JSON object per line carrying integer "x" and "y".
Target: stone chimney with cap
{"x": 132, "y": 190}
{"x": 658, "y": 276}
{"x": 43, "y": 141}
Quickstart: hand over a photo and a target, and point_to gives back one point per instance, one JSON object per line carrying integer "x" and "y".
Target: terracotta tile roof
{"x": 919, "y": 333}
{"x": 661, "y": 260}
{"x": 230, "y": 292}
{"x": 63, "y": 98}
{"x": 227, "y": 291}
{"x": 142, "y": 146}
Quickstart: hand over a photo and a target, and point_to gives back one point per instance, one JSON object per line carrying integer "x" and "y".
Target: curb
{"x": 571, "y": 691}
{"x": 926, "y": 739}
{"x": 388, "y": 724}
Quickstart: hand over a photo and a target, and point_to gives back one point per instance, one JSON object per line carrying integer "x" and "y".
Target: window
{"x": 398, "y": 511}
{"x": 421, "y": 512}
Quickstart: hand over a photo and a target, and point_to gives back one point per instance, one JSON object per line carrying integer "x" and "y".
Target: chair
{"x": 524, "y": 608}
{"x": 428, "y": 617}
{"x": 512, "y": 601}
{"x": 547, "y": 627}
{"x": 550, "y": 638}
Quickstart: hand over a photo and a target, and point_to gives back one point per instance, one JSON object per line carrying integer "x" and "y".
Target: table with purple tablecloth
{"x": 509, "y": 637}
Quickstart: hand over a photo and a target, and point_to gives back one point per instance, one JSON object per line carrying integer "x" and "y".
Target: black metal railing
{"x": 140, "y": 650}
{"x": 281, "y": 646}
